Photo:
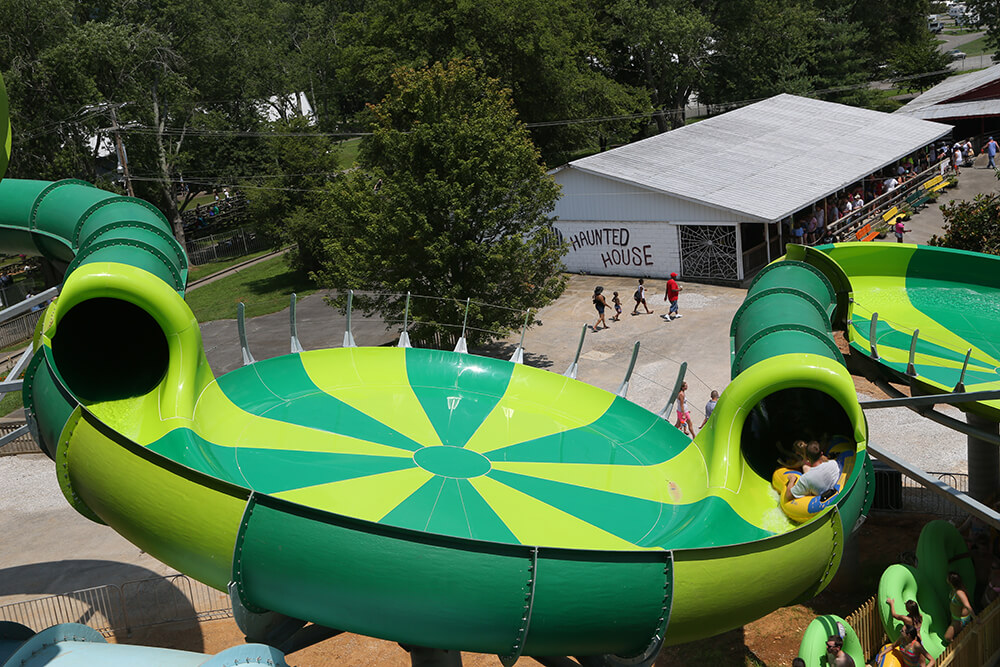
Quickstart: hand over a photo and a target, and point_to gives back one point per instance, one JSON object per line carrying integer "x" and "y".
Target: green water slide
{"x": 951, "y": 296}
{"x": 432, "y": 498}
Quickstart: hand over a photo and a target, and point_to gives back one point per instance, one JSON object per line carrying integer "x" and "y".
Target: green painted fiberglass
{"x": 432, "y": 498}
{"x": 951, "y": 296}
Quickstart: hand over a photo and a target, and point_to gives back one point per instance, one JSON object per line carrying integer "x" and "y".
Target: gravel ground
{"x": 29, "y": 484}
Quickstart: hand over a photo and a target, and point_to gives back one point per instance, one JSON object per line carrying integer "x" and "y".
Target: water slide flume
{"x": 432, "y": 498}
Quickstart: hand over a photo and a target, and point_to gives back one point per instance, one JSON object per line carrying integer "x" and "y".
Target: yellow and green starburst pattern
{"x": 457, "y": 445}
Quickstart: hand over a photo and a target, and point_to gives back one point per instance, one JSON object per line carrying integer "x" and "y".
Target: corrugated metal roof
{"x": 767, "y": 160}
{"x": 957, "y": 110}
{"x": 951, "y": 87}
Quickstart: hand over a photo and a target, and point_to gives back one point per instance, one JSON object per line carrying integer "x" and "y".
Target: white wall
{"x": 641, "y": 249}
{"x": 587, "y": 196}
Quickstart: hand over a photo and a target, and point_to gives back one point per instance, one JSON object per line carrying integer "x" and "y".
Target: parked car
{"x": 956, "y": 54}
{"x": 935, "y": 27}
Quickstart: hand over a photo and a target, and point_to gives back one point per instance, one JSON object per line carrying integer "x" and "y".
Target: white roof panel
{"x": 770, "y": 159}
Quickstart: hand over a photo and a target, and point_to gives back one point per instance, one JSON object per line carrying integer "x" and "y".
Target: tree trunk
{"x": 166, "y": 190}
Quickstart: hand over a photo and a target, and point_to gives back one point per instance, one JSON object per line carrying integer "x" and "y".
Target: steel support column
{"x": 984, "y": 460}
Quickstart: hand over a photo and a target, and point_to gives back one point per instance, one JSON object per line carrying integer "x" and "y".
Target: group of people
{"x": 672, "y": 294}
{"x": 909, "y": 648}
{"x": 684, "y": 422}
{"x": 820, "y": 473}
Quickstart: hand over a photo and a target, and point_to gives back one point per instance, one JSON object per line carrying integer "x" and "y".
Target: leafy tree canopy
{"x": 450, "y": 201}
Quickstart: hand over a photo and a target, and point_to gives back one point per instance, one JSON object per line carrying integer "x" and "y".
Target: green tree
{"x": 762, "y": 48}
{"x": 450, "y": 201}
{"x": 971, "y": 225}
{"x": 661, "y": 45}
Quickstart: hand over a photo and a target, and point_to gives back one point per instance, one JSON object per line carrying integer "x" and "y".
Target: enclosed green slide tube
{"x": 432, "y": 498}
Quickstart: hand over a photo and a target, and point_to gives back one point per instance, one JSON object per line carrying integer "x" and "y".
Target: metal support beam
{"x": 14, "y": 435}
{"x": 461, "y": 346}
{"x": 518, "y": 356}
{"x": 242, "y": 329}
{"x": 960, "y": 386}
{"x": 678, "y": 383}
{"x": 872, "y": 343}
{"x": 984, "y": 459}
{"x": 623, "y": 389}
{"x": 982, "y": 512}
{"x": 571, "y": 371}
{"x": 404, "y": 337}
{"x": 296, "y": 346}
{"x": 433, "y": 657}
{"x": 29, "y": 303}
{"x": 911, "y": 369}
{"x": 944, "y": 420}
{"x": 932, "y": 399}
{"x": 348, "y": 334}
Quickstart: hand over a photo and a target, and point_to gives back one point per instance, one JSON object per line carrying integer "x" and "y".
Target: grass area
{"x": 10, "y": 402}
{"x": 348, "y": 153}
{"x": 264, "y": 288}
{"x": 976, "y": 47}
{"x": 203, "y": 270}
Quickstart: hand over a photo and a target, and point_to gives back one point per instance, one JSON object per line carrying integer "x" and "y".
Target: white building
{"x": 707, "y": 200}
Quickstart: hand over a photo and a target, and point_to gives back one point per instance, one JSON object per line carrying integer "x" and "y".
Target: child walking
{"x": 618, "y": 306}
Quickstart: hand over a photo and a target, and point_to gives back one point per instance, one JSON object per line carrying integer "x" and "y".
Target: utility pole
{"x": 122, "y": 157}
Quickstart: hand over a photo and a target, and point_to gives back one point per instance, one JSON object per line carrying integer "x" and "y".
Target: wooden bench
{"x": 866, "y": 233}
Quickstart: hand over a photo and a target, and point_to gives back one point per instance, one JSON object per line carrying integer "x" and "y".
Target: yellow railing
{"x": 979, "y": 642}
{"x": 868, "y": 626}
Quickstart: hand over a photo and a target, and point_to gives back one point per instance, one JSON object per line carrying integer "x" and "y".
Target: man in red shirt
{"x": 673, "y": 293}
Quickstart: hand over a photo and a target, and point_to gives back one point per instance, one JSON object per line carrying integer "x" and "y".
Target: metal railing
{"x": 111, "y": 609}
{"x": 225, "y": 245}
{"x": 19, "y": 329}
{"x": 23, "y": 444}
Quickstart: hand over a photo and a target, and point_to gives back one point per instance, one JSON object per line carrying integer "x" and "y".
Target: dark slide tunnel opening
{"x": 786, "y": 416}
{"x": 108, "y": 349}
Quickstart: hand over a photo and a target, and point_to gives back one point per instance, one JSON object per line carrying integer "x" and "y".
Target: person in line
{"x": 819, "y": 475}
{"x": 835, "y": 652}
{"x": 640, "y": 298}
{"x": 798, "y": 662}
{"x": 990, "y": 149}
{"x": 618, "y": 306}
{"x": 910, "y": 649}
{"x": 912, "y": 618}
{"x": 961, "y": 608}
{"x": 672, "y": 295}
{"x": 683, "y": 415}
{"x": 710, "y": 406}
{"x": 957, "y": 162}
{"x": 600, "y": 303}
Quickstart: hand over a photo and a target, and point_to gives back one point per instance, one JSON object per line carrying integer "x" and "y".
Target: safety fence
{"x": 225, "y": 245}
{"x": 19, "y": 329}
{"x": 979, "y": 642}
{"x": 895, "y": 492}
{"x": 977, "y": 645}
{"x": 867, "y": 624}
{"x": 113, "y": 609}
{"x": 23, "y": 444}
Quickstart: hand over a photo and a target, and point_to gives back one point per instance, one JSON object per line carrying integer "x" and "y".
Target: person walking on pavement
{"x": 672, "y": 295}
{"x": 640, "y": 298}
{"x": 991, "y": 151}
{"x": 600, "y": 303}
